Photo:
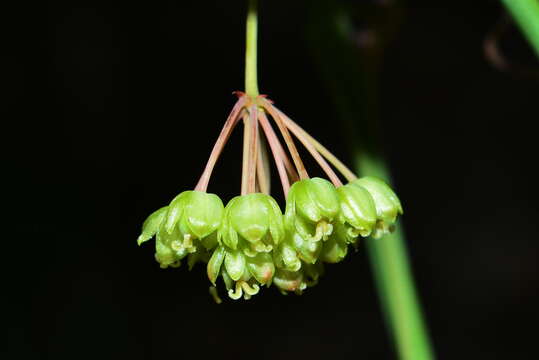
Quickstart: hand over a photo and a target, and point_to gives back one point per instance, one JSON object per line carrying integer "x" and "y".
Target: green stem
{"x": 394, "y": 281}
{"x": 251, "y": 81}
{"x": 526, "y": 14}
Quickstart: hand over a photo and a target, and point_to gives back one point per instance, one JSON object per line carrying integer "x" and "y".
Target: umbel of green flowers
{"x": 251, "y": 243}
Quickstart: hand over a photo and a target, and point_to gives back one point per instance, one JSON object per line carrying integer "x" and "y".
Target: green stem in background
{"x": 251, "y": 80}
{"x": 394, "y": 281}
{"x": 526, "y": 14}
{"x": 351, "y": 73}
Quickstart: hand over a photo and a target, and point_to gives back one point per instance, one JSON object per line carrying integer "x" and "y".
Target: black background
{"x": 110, "y": 109}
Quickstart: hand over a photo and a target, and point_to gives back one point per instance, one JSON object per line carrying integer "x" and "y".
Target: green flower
{"x": 387, "y": 204}
{"x": 311, "y": 207}
{"x": 252, "y": 224}
{"x": 168, "y": 249}
{"x": 252, "y": 227}
{"x": 298, "y": 281}
{"x": 294, "y": 250}
{"x": 358, "y": 210}
{"x": 187, "y": 227}
{"x": 241, "y": 274}
{"x": 194, "y": 215}
{"x": 289, "y": 281}
{"x": 151, "y": 225}
{"x": 336, "y": 247}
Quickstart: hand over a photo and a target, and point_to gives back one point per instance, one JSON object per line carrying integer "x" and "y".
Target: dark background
{"x": 110, "y": 109}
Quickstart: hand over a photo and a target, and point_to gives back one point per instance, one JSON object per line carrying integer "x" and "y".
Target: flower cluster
{"x": 250, "y": 242}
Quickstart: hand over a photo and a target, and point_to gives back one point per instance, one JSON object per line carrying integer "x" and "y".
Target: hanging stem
{"x": 287, "y": 138}
{"x": 219, "y": 144}
{"x": 250, "y": 150}
{"x": 253, "y": 149}
{"x": 262, "y": 167}
{"x": 251, "y": 79}
{"x": 245, "y": 161}
{"x": 274, "y": 145}
{"x": 290, "y": 169}
{"x": 339, "y": 165}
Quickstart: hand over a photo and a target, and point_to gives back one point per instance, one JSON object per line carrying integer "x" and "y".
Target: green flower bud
{"x": 286, "y": 257}
{"x": 242, "y": 274}
{"x": 298, "y": 281}
{"x": 261, "y": 267}
{"x": 235, "y": 264}
{"x": 387, "y": 204}
{"x": 252, "y": 223}
{"x": 289, "y": 281}
{"x": 358, "y": 211}
{"x": 311, "y": 207}
{"x": 308, "y": 251}
{"x": 152, "y": 224}
{"x": 169, "y": 249}
{"x": 214, "y": 265}
{"x": 336, "y": 247}
{"x": 164, "y": 253}
{"x": 346, "y": 233}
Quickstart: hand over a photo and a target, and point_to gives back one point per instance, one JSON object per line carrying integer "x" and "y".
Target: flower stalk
{"x": 253, "y": 148}
{"x": 263, "y": 175}
{"x": 219, "y": 145}
{"x": 277, "y": 152}
{"x": 316, "y": 155}
{"x": 287, "y": 138}
{"x": 338, "y": 164}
